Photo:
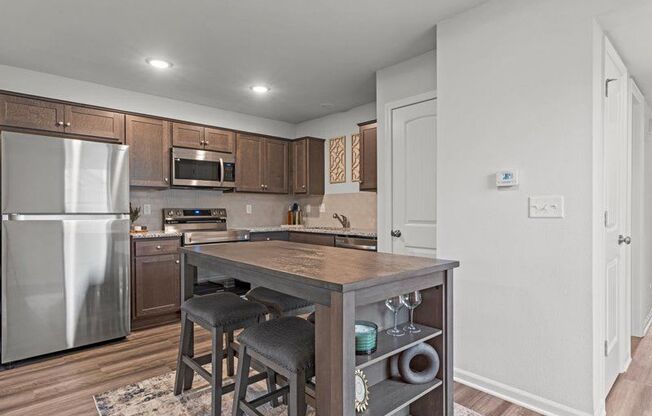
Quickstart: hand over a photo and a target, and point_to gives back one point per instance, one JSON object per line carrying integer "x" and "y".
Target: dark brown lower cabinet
{"x": 155, "y": 284}
{"x": 368, "y": 163}
{"x": 310, "y": 238}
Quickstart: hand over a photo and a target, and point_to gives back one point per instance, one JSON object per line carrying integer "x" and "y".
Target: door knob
{"x": 396, "y": 233}
{"x": 623, "y": 239}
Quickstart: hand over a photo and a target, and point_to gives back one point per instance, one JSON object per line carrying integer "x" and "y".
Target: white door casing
{"x": 414, "y": 178}
{"x": 616, "y": 214}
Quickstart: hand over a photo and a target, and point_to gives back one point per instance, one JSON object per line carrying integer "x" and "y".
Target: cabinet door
{"x": 300, "y": 166}
{"x": 368, "y": 157}
{"x": 219, "y": 140}
{"x": 96, "y": 123}
{"x": 249, "y": 163}
{"x": 269, "y": 236}
{"x": 316, "y": 239}
{"x": 157, "y": 285}
{"x": 149, "y": 151}
{"x": 31, "y": 114}
{"x": 276, "y": 164}
{"x": 187, "y": 135}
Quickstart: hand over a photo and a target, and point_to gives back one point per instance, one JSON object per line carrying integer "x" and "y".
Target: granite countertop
{"x": 317, "y": 230}
{"x": 155, "y": 234}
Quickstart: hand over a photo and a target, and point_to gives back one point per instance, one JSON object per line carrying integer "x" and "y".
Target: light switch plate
{"x": 147, "y": 209}
{"x": 248, "y": 208}
{"x": 322, "y": 208}
{"x": 546, "y": 206}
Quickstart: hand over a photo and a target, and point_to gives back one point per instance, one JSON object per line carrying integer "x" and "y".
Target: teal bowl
{"x": 366, "y": 337}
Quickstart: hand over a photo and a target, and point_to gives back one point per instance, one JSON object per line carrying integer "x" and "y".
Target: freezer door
{"x": 65, "y": 282}
{"x": 48, "y": 175}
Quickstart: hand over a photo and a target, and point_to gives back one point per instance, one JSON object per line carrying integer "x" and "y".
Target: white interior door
{"x": 616, "y": 216}
{"x": 414, "y": 179}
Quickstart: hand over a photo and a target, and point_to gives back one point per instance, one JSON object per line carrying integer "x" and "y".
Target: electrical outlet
{"x": 248, "y": 208}
{"x": 308, "y": 209}
{"x": 322, "y": 208}
{"x": 147, "y": 209}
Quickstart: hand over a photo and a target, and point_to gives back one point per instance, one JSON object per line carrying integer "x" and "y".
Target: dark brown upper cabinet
{"x": 92, "y": 122}
{"x": 368, "y": 163}
{"x": 307, "y": 166}
{"x": 149, "y": 151}
{"x": 262, "y": 164}
{"x": 33, "y": 114}
{"x": 202, "y": 138}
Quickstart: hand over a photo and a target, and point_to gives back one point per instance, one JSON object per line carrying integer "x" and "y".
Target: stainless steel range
{"x": 206, "y": 226}
{"x": 201, "y": 225}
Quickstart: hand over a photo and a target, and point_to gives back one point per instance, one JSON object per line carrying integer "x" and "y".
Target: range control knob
{"x": 170, "y": 213}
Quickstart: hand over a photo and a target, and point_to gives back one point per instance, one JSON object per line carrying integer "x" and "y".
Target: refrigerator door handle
{"x": 61, "y": 217}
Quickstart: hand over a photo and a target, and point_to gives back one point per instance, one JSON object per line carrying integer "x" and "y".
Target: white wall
{"x": 406, "y": 79}
{"x": 52, "y": 86}
{"x": 515, "y": 91}
{"x": 642, "y": 238}
{"x": 336, "y": 125}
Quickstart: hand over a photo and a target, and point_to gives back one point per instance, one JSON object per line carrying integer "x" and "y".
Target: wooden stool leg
{"x": 230, "y": 365}
{"x": 297, "y": 404}
{"x": 242, "y": 380}
{"x": 271, "y": 386}
{"x": 189, "y": 350}
{"x": 217, "y": 335}
{"x": 182, "y": 368}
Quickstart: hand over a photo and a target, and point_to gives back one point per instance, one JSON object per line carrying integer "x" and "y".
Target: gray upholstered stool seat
{"x": 223, "y": 309}
{"x": 220, "y": 314}
{"x": 288, "y": 342}
{"x": 285, "y": 345}
{"x": 278, "y": 303}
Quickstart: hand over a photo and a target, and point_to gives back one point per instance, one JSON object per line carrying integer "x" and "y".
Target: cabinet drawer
{"x": 272, "y": 235}
{"x": 156, "y": 247}
{"x": 308, "y": 238}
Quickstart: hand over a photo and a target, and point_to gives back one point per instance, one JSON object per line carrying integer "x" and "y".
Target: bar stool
{"x": 279, "y": 304}
{"x": 220, "y": 314}
{"x": 286, "y": 345}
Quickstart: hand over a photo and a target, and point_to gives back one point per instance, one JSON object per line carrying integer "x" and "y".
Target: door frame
{"x": 601, "y": 47}
{"x": 385, "y": 163}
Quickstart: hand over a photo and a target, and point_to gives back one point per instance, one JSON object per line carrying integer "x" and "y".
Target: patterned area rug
{"x": 155, "y": 396}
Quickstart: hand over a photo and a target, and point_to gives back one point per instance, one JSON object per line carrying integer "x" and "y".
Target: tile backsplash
{"x": 266, "y": 210}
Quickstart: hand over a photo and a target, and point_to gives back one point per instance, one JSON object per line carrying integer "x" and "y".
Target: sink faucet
{"x": 343, "y": 220}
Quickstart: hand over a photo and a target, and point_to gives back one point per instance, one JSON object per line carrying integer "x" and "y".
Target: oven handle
{"x": 222, "y": 171}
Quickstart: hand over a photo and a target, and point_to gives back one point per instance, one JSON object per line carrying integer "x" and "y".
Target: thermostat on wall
{"x": 506, "y": 178}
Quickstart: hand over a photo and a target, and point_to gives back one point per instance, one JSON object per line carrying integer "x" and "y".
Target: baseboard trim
{"x": 627, "y": 364}
{"x": 516, "y": 396}
{"x": 648, "y": 324}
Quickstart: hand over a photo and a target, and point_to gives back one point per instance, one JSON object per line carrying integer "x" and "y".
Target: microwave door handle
{"x": 222, "y": 171}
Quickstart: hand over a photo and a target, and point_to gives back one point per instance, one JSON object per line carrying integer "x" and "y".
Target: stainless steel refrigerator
{"x": 65, "y": 244}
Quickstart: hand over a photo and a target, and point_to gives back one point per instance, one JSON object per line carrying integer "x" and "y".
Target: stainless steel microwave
{"x": 202, "y": 169}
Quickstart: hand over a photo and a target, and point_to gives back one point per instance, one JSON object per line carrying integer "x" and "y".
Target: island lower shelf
{"x": 391, "y": 395}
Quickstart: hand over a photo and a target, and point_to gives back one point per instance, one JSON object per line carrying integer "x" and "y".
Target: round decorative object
{"x": 428, "y": 374}
{"x": 361, "y": 392}
{"x": 366, "y": 337}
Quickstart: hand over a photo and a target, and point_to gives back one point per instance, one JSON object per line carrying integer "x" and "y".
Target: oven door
{"x": 201, "y": 168}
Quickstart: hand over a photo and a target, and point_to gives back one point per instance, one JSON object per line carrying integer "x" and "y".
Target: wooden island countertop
{"x": 343, "y": 283}
{"x": 328, "y": 267}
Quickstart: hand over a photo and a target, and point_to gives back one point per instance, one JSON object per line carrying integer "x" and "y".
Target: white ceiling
{"x": 308, "y": 52}
{"x": 630, "y": 31}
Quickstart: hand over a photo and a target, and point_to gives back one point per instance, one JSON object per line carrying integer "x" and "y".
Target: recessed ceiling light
{"x": 159, "y": 63}
{"x": 260, "y": 89}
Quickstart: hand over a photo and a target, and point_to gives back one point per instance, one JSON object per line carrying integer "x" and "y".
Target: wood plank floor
{"x": 632, "y": 393}
{"x": 65, "y": 384}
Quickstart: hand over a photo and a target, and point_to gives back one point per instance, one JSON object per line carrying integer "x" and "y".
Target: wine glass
{"x": 395, "y": 304}
{"x": 411, "y": 301}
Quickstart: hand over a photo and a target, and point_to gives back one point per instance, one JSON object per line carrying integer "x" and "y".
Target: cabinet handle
{"x": 177, "y": 261}
{"x": 202, "y": 142}
{"x": 68, "y": 124}
{"x": 158, "y": 247}
{"x": 166, "y": 180}
{"x": 303, "y": 186}
{"x": 206, "y": 142}
{"x": 59, "y": 123}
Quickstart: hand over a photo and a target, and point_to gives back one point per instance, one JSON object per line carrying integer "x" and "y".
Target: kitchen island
{"x": 342, "y": 283}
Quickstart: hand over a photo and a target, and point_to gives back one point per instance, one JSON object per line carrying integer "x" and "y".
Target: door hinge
{"x": 606, "y": 348}
{"x": 606, "y": 85}
{"x": 606, "y": 218}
